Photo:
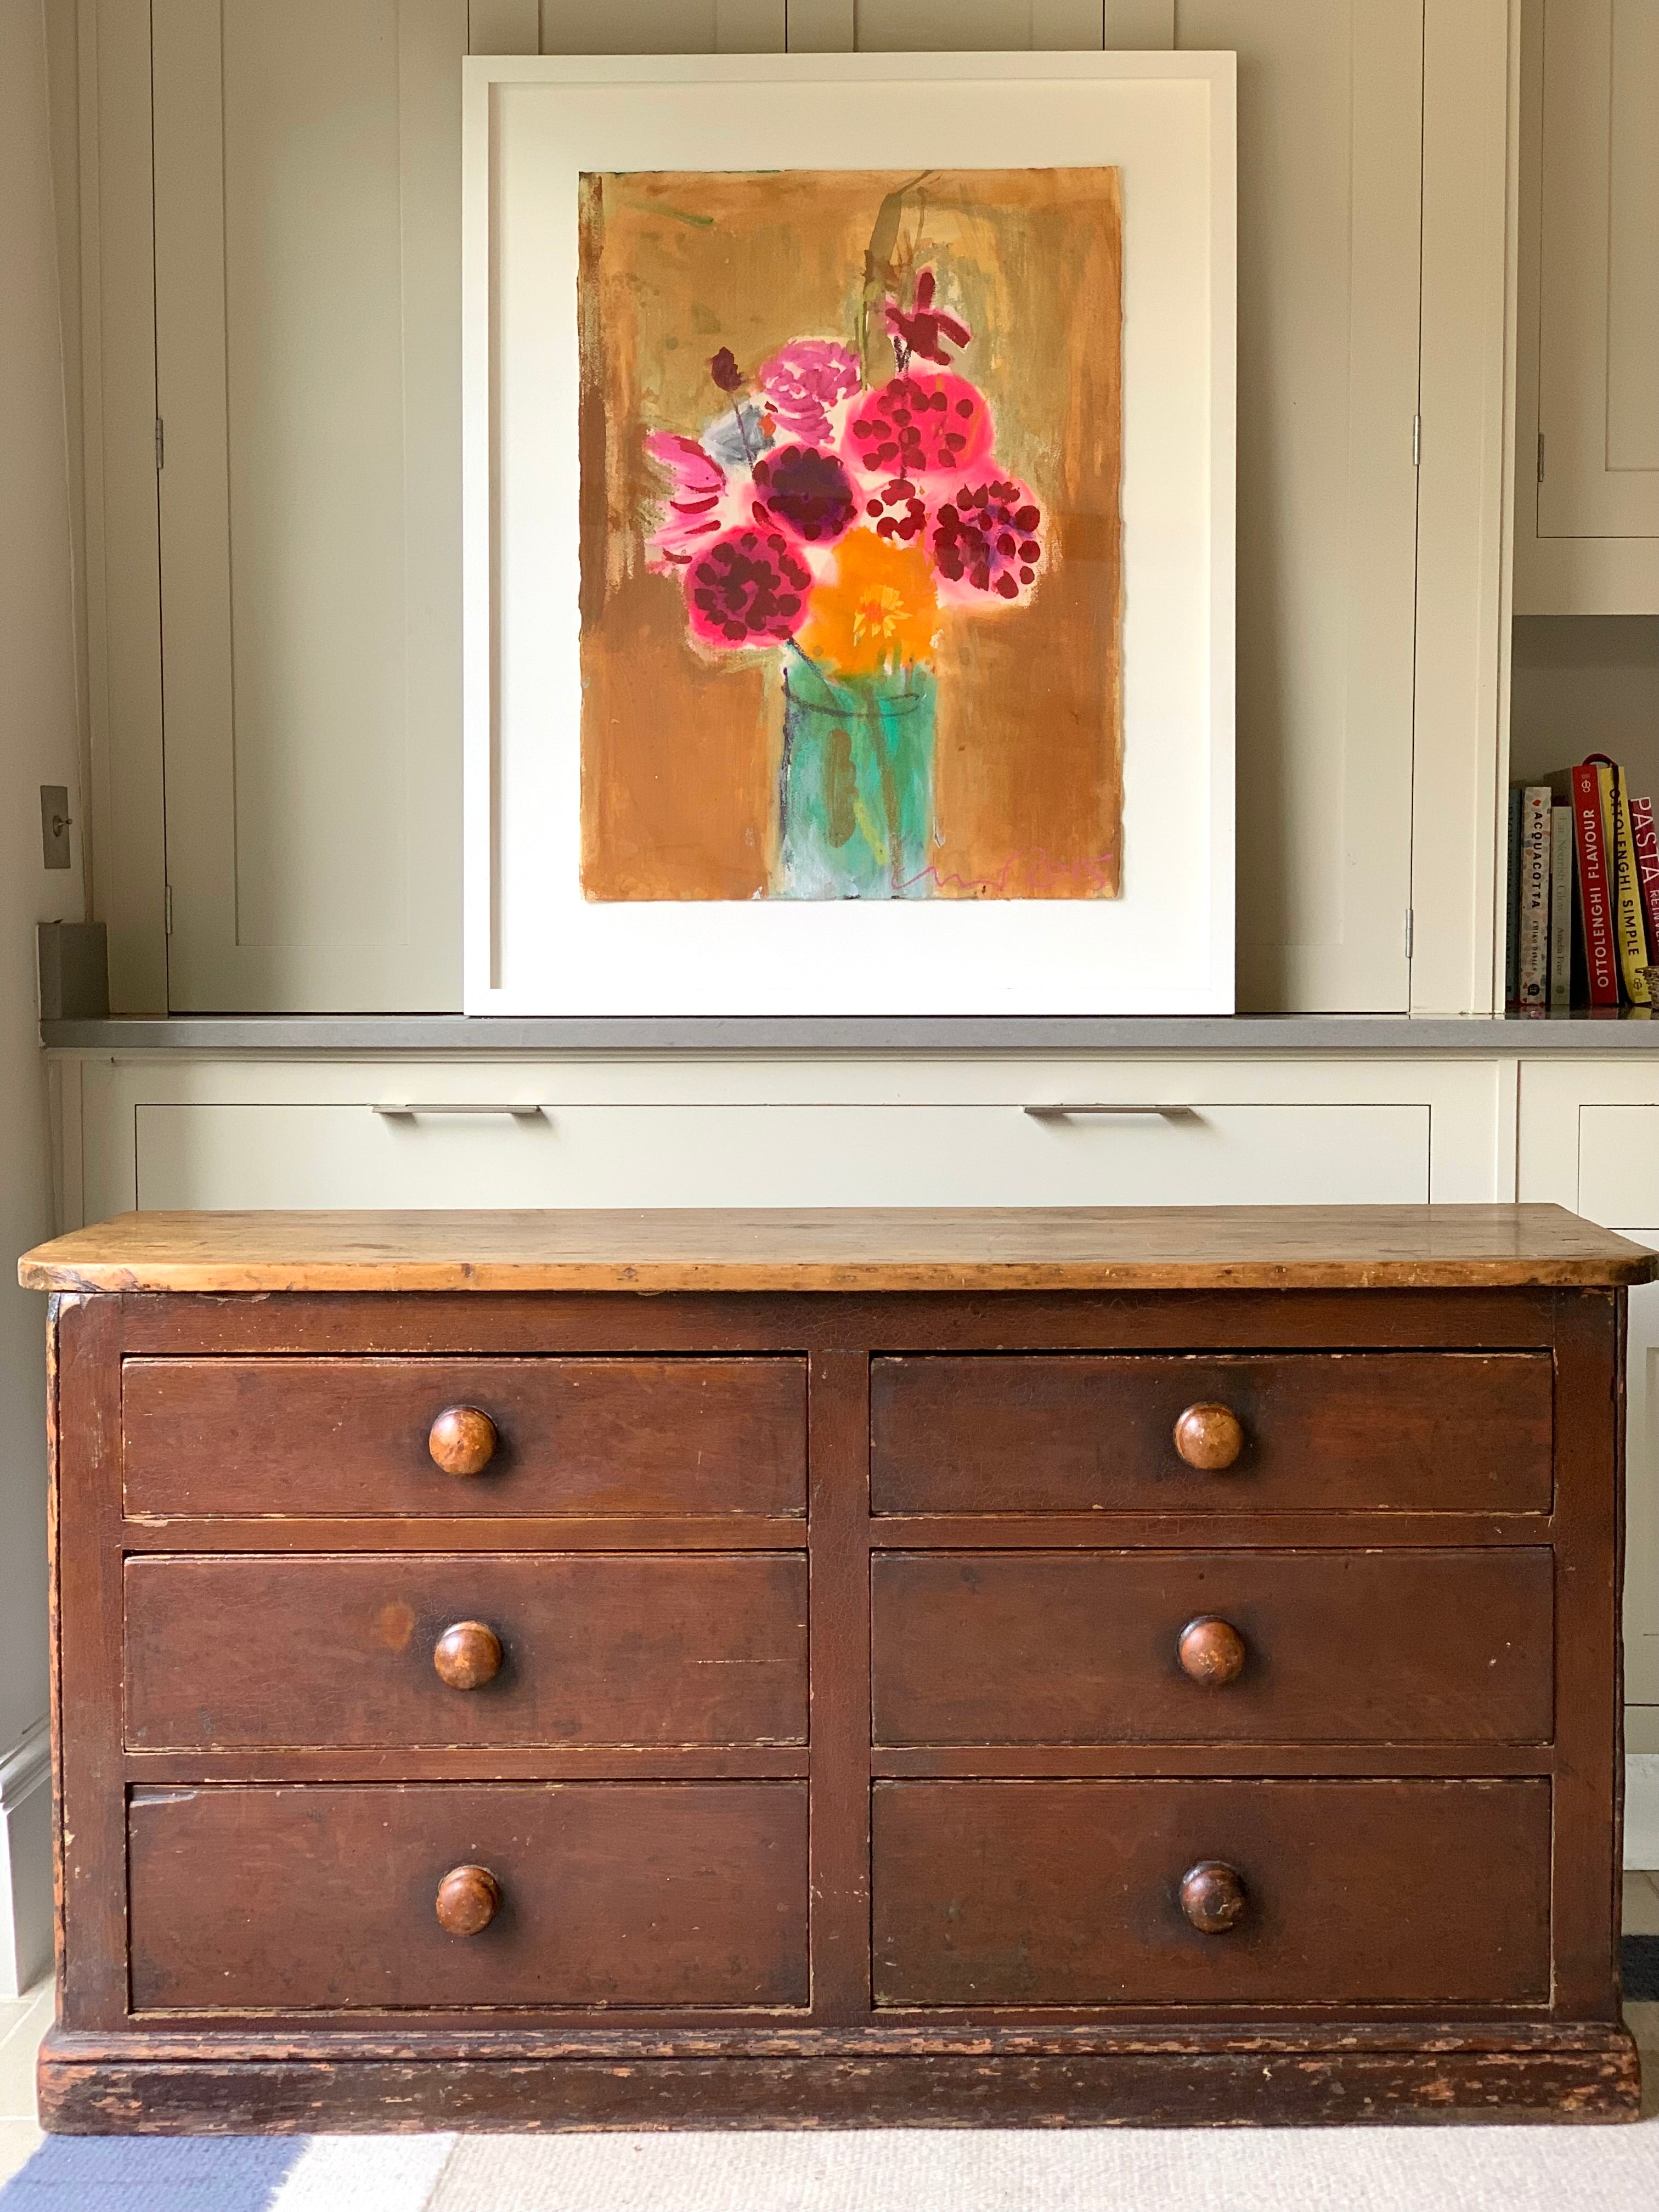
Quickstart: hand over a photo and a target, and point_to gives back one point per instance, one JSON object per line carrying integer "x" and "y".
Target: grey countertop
{"x": 302, "y": 1035}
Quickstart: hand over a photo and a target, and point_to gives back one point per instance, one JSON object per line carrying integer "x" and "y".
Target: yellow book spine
{"x": 1630, "y": 933}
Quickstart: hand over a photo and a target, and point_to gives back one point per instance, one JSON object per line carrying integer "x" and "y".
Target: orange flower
{"x": 878, "y": 607}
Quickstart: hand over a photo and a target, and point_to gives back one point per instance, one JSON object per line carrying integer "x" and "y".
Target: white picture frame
{"x": 534, "y": 944}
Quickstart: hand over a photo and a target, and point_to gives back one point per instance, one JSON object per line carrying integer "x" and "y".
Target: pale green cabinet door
{"x": 308, "y": 224}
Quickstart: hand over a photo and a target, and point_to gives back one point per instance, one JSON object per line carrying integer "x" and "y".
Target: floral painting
{"x": 850, "y": 450}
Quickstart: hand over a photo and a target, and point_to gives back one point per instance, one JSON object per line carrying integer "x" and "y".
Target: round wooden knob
{"x": 1211, "y": 1652}
{"x": 1209, "y": 1437}
{"x": 469, "y": 1898}
{"x": 1212, "y": 1897}
{"x": 463, "y": 1440}
{"x": 468, "y": 1656}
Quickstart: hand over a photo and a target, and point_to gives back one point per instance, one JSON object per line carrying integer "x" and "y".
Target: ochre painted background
{"x": 680, "y": 754}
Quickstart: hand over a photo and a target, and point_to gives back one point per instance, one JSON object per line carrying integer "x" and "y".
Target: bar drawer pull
{"x": 402, "y": 1109}
{"x": 1165, "y": 1110}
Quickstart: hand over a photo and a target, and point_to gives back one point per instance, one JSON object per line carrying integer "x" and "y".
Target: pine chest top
{"x": 853, "y": 1249}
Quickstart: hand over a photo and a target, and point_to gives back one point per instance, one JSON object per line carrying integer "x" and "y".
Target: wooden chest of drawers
{"x": 619, "y": 1670}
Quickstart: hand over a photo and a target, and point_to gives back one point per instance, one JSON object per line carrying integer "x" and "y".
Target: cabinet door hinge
{"x": 1416, "y": 440}
{"x": 167, "y": 910}
{"x": 1540, "y": 457}
{"x": 1409, "y": 924}
{"x": 159, "y": 444}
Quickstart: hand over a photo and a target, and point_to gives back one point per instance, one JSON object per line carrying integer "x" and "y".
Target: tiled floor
{"x": 24, "y": 2021}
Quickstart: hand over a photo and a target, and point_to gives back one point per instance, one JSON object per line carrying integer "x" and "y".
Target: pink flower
{"x": 694, "y": 510}
{"x": 807, "y": 491}
{"x": 746, "y": 587}
{"x": 804, "y": 382}
{"x": 919, "y": 426}
{"x": 988, "y": 539}
{"x": 925, "y": 328}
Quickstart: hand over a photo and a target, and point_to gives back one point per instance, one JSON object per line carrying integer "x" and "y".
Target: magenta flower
{"x": 926, "y": 328}
{"x": 919, "y": 426}
{"x": 804, "y": 382}
{"x": 747, "y": 588}
{"x": 988, "y": 539}
{"x": 694, "y": 512}
{"x": 897, "y": 511}
{"x": 808, "y": 492}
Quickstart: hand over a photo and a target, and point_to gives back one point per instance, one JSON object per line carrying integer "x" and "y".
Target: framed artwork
{"x": 848, "y": 447}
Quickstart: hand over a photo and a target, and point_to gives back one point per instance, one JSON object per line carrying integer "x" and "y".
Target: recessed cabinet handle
{"x": 1165, "y": 1110}
{"x": 1213, "y": 1897}
{"x": 399, "y": 1109}
{"x": 468, "y": 1654}
{"x": 469, "y": 1898}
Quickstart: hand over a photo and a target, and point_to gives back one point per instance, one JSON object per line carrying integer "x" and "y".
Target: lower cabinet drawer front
{"x": 1083, "y": 1647}
{"x": 689, "y": 1151}
{"x": 1355, "y": 1431}
{"x": 678, "y": 1894}
{"x": 1356, "y": 1893}
{"x": 229, "y": 1651}
{"x": 350, "y": 1437}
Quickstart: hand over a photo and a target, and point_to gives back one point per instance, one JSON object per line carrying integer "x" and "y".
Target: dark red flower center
{"x": 808, "y": 491}
{"x": 897, "y": 511}
{"x": 747, "y": 584}
{"x": 986, "y": 536}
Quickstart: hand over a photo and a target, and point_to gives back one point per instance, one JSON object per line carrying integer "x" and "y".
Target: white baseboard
{"x": 1642, "y": 1809}
{"x": 26, "y": 1862}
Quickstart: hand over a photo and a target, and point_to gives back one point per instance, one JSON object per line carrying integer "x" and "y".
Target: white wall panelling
{"x": 1461, "y": 667}
{"x": 1587, "y": 341}
{"x": 117, "y": 431}
{"x": 307, "y": 268}
{"x": 660, "y": 26}
{"x": 503, "y": 26}
{"x": 821, "y": 26}
{"x": 292, "y": 888}
{"x": 1144, "y": 24}
{"x": 1330, "y": 148}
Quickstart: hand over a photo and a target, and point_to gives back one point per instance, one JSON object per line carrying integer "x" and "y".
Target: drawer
{"x": 1083, "y": 1647}
{"x": 1392, "y": 1431}
{"x": 323, "y": 1897}
{"x": 336, "y": 1653}
{"x": 345, "y": 1438}
{"x": 1619, "y": 1164}
{"x": 219, "y": 1153}
{"x": 1353, "y": 1894}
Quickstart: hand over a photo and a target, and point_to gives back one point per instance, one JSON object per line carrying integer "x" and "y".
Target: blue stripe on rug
{"x": 153, "y": 2174}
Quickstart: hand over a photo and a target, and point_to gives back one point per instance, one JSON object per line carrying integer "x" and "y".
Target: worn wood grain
{"x": 1151, "y": 1247}
{"x": 1165, "y": 2089}
{"x": 613, "y": 1895}
{"x": 1377, "y": 1554}
{"x": 1361, "y": 1893}
{"x": 1083, "y": 1647}
{"x": 1360, "y": 1432}
{"x": 296, "y": 1651}
{"x": 616, "y": 1438}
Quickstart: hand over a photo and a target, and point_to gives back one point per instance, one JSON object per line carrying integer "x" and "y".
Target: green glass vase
{"x": 855, "y": 785}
